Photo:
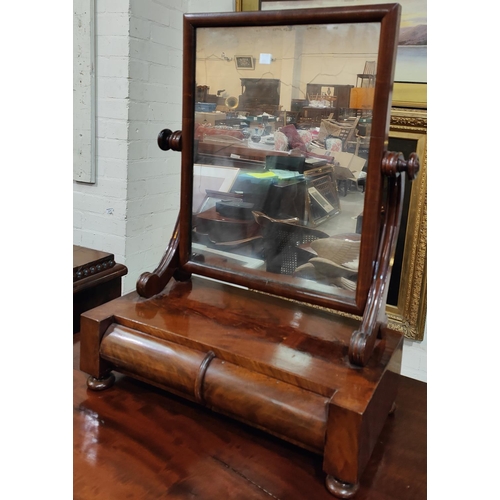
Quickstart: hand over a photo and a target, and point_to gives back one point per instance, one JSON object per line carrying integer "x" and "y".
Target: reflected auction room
{"x": 249, "y": 249}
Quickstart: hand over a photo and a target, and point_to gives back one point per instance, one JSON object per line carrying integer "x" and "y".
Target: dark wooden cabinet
{"x": 96, "y": 280}
{"x": 343, "y": 94}
{"x": 259, "y": 95}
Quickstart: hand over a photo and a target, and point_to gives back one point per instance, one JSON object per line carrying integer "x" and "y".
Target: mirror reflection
{"x": 282, "y": 130}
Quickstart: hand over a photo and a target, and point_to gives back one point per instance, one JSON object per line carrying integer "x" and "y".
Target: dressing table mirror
{"x": 269, "y": 302}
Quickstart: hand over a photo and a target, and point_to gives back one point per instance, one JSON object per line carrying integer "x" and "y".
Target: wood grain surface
{"x": 135, "y": 441}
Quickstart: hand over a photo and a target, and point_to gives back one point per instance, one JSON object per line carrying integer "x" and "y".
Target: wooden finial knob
{"x": 394, "y": 163}
{"x": 170, "y": 140}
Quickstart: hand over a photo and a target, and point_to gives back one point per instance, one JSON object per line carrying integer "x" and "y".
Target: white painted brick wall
{"x": 155, "y": 102}
{"x": 100, "y": 208}
{"x": 214, "y": 6}
{"x": 140, "y": 28}
{"x": 113, "y": 108}
{"x": 414, "y": 363}
{"x": 112, "y": 45}
{"x": 111, "y": 128}
{"x": 113, "y": 66}
{"x": 113, "y": 23}
{"x": 109, "y": 87}
{"x": 104, "y": 6}
{"x": 155, "y": 93}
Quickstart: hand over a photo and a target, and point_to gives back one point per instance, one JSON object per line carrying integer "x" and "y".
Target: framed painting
{"x": 407, "y": 297}
{"x": 84, "y": 92}
{"x": 244, "y": 62}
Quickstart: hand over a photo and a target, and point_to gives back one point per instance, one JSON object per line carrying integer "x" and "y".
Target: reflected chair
{"x": 367, "y": 78}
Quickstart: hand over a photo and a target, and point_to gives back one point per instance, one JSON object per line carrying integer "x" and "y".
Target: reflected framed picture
{"x": 244, "y": 62}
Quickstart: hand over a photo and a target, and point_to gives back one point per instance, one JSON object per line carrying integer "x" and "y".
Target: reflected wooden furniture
{"x": 362, "y": 98}
{"x": 230, "y": 150}
{"x": 259, "y": 95}
{"x": 313, "y": 115}
{"x": 339, "y": 96}
{"x": 96, "y": 280}
{"x": 313, "y": 365}
{"x": 340, "y": 93}
{"x": 367, "y": 78}
{"x": 348, "y": 130}
{"x": 140, "y": 442}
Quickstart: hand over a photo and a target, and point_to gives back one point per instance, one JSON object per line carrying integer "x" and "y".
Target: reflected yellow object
{"x": 362, "y": 97}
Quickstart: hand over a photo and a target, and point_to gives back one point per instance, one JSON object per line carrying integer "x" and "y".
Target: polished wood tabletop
{"x": 134, "y": 441}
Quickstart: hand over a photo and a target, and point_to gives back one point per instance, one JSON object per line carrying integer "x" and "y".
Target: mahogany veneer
{"x": 275, "y": 364}
{"x": 137, "y": 441}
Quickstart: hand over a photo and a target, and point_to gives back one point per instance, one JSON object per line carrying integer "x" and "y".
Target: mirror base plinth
{"x": 223, "y": 347}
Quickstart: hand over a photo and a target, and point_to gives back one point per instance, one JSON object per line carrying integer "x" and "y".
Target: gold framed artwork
{"x": 407, "y": 299}
{"x": 409, "y": 95}
{"x": 247, "y": 5}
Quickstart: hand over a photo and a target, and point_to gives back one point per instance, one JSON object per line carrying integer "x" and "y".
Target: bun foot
{"x": 339, "y": 489}
{"x": 100, "y": 384}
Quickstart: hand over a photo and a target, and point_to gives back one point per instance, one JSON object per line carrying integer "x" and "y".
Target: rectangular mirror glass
{"x": 282, "y": 142}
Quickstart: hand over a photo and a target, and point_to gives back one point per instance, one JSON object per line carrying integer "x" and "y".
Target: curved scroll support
{"x": 150, "y": 284}
{"x": 170, "y": 140}
{"x": 363, "y": 340}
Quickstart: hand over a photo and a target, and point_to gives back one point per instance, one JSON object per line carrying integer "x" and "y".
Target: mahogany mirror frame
{"x": 388, "y": 15}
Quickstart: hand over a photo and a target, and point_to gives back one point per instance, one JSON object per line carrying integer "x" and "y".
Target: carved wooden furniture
{"x": 305, "y": 358}
{"x": 96, "y": 280}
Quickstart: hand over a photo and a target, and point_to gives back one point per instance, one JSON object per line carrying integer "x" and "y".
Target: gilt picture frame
{"x": 247, "y": 5}
{"x": 408, "y": 311}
